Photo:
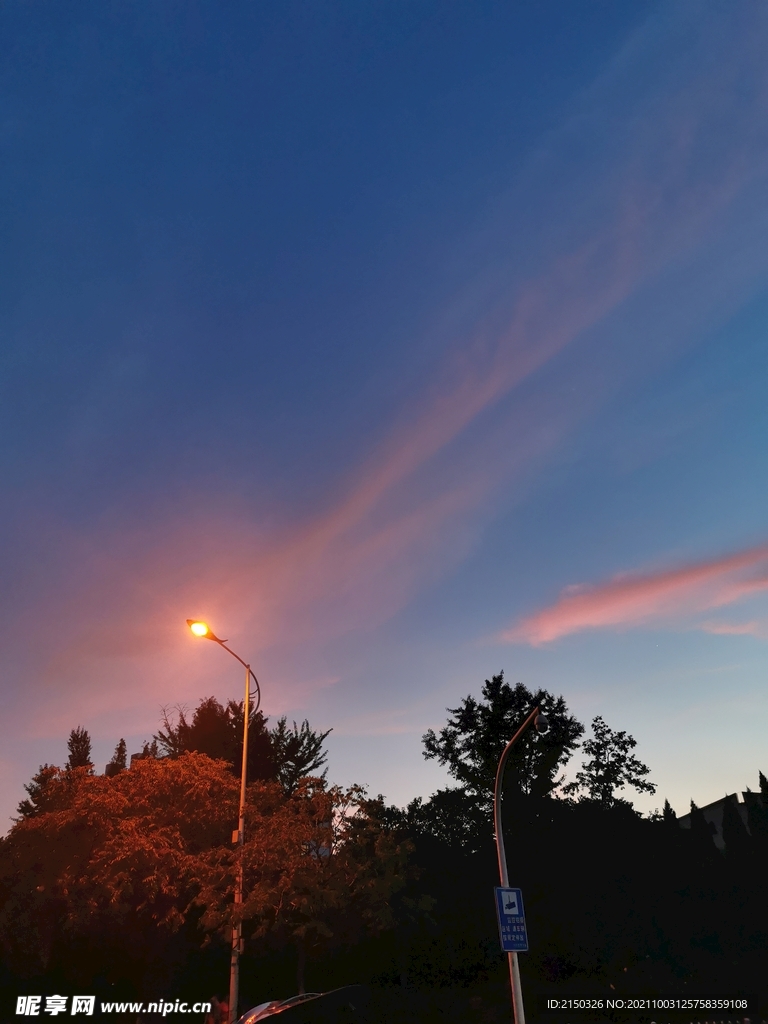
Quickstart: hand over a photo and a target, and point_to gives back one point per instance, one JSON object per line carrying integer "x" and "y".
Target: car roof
{"x": 273, "y": 1006}
{"x": 257, "y": 1011}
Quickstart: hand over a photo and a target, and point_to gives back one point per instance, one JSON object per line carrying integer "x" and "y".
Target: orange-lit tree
{"x": 107, "y": 869}
{"x": 109, "y": 863}
{"x": 320, "y": 870}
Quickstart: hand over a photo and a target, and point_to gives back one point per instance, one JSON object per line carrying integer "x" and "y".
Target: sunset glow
{"x": 408, "y": 343}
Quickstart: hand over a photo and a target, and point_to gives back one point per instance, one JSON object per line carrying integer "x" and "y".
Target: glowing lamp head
{"x": 198, "y": 628}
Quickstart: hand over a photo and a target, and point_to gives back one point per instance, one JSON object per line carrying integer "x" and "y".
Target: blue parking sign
{"x": 509, "y": 910}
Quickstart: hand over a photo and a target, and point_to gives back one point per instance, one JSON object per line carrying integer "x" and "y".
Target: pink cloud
{"x": 630, "y": 600}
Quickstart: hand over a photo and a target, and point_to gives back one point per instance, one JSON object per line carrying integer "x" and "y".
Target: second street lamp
{"x": 541, "y": 725}
{"x": 203, "y": 630}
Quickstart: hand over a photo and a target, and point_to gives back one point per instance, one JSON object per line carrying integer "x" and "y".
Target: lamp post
{"x": 542, "y": 725}
{"x": 202, "y": 629}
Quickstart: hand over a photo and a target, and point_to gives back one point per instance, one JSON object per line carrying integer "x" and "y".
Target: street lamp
{"x": 203, "y": 630}
{"x": 541, "y": 725}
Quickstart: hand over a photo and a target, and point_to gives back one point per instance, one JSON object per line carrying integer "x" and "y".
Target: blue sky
{"x": 406, "y": 342}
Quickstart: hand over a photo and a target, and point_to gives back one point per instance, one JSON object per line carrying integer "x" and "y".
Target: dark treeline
{"x": 615, "y": 902}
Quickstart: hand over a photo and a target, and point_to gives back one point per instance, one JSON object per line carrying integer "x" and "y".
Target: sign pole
{"x": 514, "y": 938}
{"x": 514, "y": 969}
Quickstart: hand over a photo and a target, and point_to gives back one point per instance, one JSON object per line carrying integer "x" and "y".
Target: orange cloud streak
{"x": 634, "y": 600}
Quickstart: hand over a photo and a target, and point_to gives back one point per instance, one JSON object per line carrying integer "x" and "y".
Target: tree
{"x": 217, "y": 730}
{"x": 476, "y": 734}
{"x": 79, "y": 746}
{"x": 611, "y": 766}
{"x": 40, "y": 792}
{"x": 297, "y": 753}
{"x": 119, "y": 760}
{"x": 111, "y": 863}
{"x": 668, "y": 815}
{"x": 735, "y": 836}
{"x": 148, "y": 750}
{"x": 282, "y": 754}
{"x": 320, "y": 869}
{"x": 757, "y": 814}
{"x": 451, "y": 816}
{"x": 110, "y": 870}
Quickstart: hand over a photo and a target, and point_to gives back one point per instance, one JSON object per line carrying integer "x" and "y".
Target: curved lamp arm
{"x": 210, "y": 635}
{"x": 497, "y": 826}
{"x": 223, "y": 644}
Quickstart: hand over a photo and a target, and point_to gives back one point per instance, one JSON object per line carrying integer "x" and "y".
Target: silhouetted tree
{"x": 668, "y": 815}
{"x": 281, "y": 754}
{"x": 79, "y": 746}
{"x": 451, "y": 816}
{"x": 735, "y": 836}
{"x": 119, "y": 760}
{"x": 148, "y": 751}
{"x": 757, "y": 814}
{"x": 296, "y": 753}
{"x": 472, "y": 742}
{"x": 217, "y": 730}
{"x": 611, "y": 766}
{"x": 39, "y": 792}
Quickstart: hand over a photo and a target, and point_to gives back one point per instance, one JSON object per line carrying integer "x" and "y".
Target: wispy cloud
{"x": 665, "y": 596}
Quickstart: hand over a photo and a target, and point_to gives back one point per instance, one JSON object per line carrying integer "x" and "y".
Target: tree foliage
{"x": 39, "y": 791}
{"x": 472, "y": 742}
{"x": 280, "y": 753}
{"x": 611, "y": 766}
{"x": 79, "y": 746}
{"x": 119, "y": 760}
{"x": 111, "y": 855}
{"x": 320, "y": 868}
{"x": 119, "y": 861}
{"x": 452, "y": 816}
{"x": 217, "y": 731}
{"x": 297, "y": 753}
{"x": 111, "y": 876}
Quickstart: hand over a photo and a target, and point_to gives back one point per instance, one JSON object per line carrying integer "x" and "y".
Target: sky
{"x": 405, "y": 342}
